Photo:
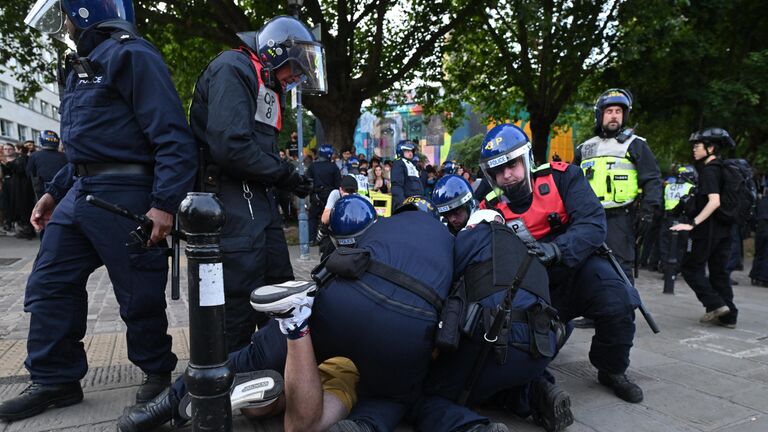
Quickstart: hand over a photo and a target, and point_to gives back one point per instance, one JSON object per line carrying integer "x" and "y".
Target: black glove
{"x": 644, "y": 222}
{"x": 548, "y": 253}
{"x": 303, "y": 186}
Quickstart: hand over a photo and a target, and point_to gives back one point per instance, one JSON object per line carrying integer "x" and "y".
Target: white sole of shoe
{"x": 280, "y": 304}
{"x": 250, "y": 390}
{"x": 712, "y": 316}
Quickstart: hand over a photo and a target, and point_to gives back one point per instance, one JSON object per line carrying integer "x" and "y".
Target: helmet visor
{"x": 308, "y": 61}
{"x": 47, "y": 17}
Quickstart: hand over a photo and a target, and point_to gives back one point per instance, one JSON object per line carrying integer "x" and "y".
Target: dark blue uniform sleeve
{"x": 232, "y": 122}
{"x": 587, "y": 228}
{"x": 397, "y": 177}
{"x": 336, "y": 178}
{"x": 577, "y": 157}
{"x": 143, "y": 80}
{"x": 648, "y": 174}
{"x": 62, "y": 181}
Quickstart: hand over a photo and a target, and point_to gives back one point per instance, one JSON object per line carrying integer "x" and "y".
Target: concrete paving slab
{"x": 702, "y": 379}
{"x": 636, "y": 418}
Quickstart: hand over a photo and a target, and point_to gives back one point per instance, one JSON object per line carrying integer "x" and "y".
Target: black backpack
{"x": 738, "y": 195}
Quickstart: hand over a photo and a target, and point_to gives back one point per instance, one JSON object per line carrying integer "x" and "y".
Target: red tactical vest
{"x": 546, "y": 200}
{"x": 264, "y": 92}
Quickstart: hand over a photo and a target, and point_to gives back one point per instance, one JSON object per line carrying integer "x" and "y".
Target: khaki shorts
{"x": 339, "y": 377}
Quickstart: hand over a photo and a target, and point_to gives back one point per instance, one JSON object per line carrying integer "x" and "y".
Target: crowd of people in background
{"x": 23, "y": 172}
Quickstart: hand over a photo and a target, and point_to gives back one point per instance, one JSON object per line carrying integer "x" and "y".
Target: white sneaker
{"x": 712, "y": 316}
{"x": 282, "y": 299}
{"x": 249, "y": 390}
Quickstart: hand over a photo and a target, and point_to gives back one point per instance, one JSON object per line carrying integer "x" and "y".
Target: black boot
{"x": 152, "y": 386}
{"x": 352, "y": 426}
{"x": 622, "y": 386}
{"x": 551, "y": 406}
{"x": 36, "y": 398}
{"x": 158, "y": 411}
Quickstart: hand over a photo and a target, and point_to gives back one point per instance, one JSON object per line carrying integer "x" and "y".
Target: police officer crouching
{"x": 555, "y": 212}
{"x": 454, "y": 201}
{"x": 620, "y": 166}
{"x": 127, "y": 143}
{"x": 240, "y": 160}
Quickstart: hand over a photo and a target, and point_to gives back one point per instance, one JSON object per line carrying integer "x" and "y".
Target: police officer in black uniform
{"x": 240, "y": 160}
{"x": 620, "y": 166}
{"x": 127, "y": 143}
{"x": 44, "y": 164}
{"x": 405, "y": 177}
{"x": 326, "y": 178}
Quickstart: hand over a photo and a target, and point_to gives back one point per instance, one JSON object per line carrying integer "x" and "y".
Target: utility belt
{"x": 113, "y": 168}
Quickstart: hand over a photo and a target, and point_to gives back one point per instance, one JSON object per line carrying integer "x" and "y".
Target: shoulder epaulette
{"x": 122, "y": 36}
{"x": 559, "y": 166}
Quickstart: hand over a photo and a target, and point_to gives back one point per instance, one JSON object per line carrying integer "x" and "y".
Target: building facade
{"x": 23, "y": 121}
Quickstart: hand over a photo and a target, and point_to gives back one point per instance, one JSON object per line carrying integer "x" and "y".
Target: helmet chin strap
{"x": 519, "y": 197}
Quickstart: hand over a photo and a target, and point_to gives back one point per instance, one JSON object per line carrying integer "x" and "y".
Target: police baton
{"x": 142, "y": 236}
{"x": 492, "y": 335}
{"x": 606, "y": 251}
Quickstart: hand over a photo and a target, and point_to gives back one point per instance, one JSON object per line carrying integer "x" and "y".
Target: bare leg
{"x": 303, "y": 391}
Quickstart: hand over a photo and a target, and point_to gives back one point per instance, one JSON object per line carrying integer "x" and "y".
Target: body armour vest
{"x": 268, "y": 103}
{"x": 609, "y": 171}
{"x": 547, "y": 208}
{"x": 673, "y": 192}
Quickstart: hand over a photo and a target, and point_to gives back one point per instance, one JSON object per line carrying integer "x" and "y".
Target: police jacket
{"x": 325, "y": 176}
{"x": 619, "y": 172}
{"x": 578, "y": 226}
{"x": 235, "y": 119}
{"x": 43, "y": 166}
{"x": 405, "y": 181}
{"x": 128, "y": 112}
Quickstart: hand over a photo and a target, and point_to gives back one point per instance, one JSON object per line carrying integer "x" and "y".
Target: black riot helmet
{"x": 285, "y": 41}
{"x": 610, "y": 97}
{"x": 718, "y": 137}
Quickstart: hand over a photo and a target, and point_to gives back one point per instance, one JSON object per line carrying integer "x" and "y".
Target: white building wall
{"x": 40, "y": 114}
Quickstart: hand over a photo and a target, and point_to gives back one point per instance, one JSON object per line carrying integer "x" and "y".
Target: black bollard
{"x": 670, "y": 267}
{"x": 208, "y": 377}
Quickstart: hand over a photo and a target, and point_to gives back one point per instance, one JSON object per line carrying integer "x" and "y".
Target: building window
{"x": 55, "y": 112}
{"x": 45, "y": 108}
{"x": 35, "y": 135}
{"x": 31, "y": 104}
{"x": 5, "y": 128}
{"x": 23, "y": 132}
{"x": 5, "y": 91}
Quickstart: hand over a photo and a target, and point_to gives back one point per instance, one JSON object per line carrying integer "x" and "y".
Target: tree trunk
{"x": 541, "y": 125}
{"x": 338, "y": 119}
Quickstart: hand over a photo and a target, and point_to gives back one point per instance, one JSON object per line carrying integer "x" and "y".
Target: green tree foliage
{"x": 525, "y": 54}
{"x": 695, "y": 64}
{"x": 467, "y": 152}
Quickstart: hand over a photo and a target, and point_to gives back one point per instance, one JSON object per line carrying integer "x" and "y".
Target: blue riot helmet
{"x": 451, "y": 194}
{"x": 688, "y": 174}
{"x": 48, "y": 16}
{"x": 448, "y": 167}
{"x": 504, "y": 148}
{"x": 350, "y": 217}
{"x": 48, "y": 139}
{"x": 404, "y": 145}
{"x": 284, "y": 41}
{"x": 325, "y": 151}
{"x": 416, "y": 158}
{"x": 419, "y": 203}
{"x": 352, "y": 165}
{"x": 611, "y": 97}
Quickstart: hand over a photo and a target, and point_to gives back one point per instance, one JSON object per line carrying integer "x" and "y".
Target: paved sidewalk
{"x": 696, "y": 378}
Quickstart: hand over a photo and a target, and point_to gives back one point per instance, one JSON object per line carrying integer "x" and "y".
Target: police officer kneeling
{"x": 555, "y": 212}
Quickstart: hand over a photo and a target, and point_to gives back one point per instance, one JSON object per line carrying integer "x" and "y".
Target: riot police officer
{"x": 240, "y": 155}
{"x": 44, "y": 164}
{"x": 404, "y": 176}
{"x": 325, "y": 178}
{"x": 710, "y": 231}
{"x": 454, "y": 201}
{"x": 554, "y": 211}
{"x": 619, "y": 165}
{"x": 678, "y": 195}
{"x": 127, "y": 143}
{"x": 355, "y": 310}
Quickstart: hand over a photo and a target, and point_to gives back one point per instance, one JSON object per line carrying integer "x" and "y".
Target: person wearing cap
{"x": 326, "y": 178}
{"x": 709, "y": 232}
{"x": 348, "y": 186}
{"x": 44, "y": 164}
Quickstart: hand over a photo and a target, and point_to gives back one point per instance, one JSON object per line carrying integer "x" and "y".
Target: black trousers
{"x": 715, "y": 291}
{"x": 621, "y": 238}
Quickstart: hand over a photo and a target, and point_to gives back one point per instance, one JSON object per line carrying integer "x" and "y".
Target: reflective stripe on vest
{"x": 546, "y": 200}
{"x": 673, "y": 192}
{"x": 268, "y": 102}
{"x": 609, "y": 171}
